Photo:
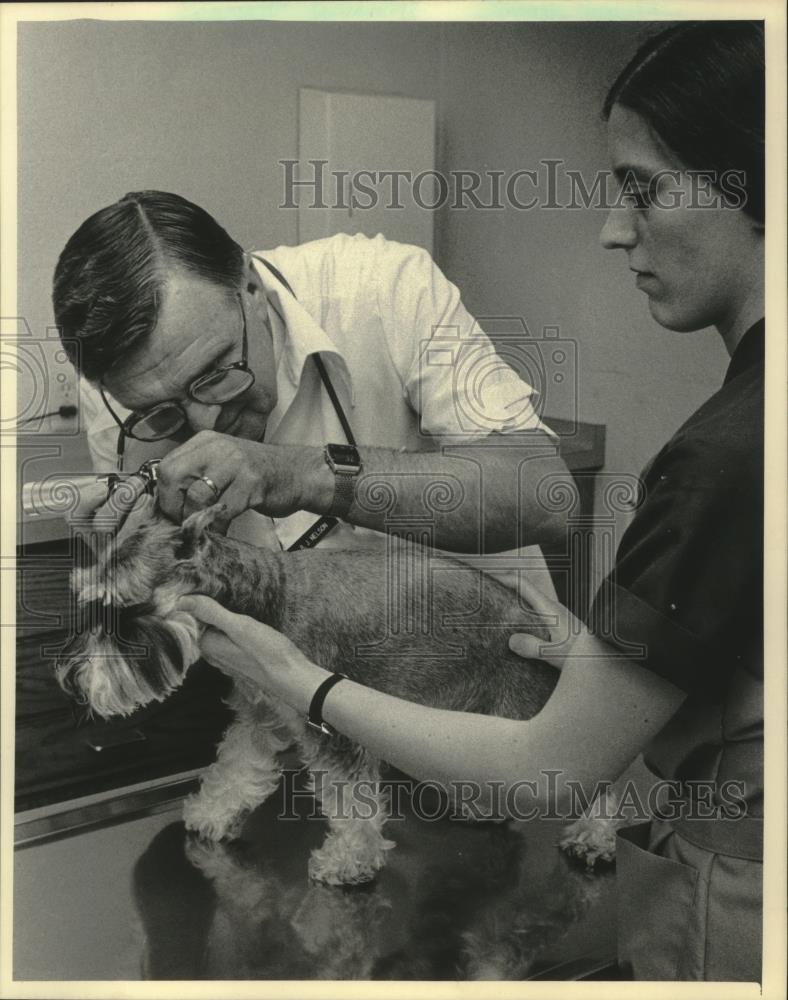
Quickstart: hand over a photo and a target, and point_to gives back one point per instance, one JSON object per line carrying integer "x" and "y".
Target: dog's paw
{"x": 591, "y": 839}
{"x": 328, "y": 871}
{"x": 338, "y": 863}
{"x": 206, "y": 819}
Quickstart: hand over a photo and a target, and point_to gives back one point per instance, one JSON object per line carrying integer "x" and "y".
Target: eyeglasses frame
{"x": 127, "y": 426}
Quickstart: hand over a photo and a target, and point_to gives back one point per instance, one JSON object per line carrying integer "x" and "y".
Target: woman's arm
{"x": 603, "y": 711}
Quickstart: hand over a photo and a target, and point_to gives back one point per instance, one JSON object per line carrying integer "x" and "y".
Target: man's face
{"x": 199, "y": 329}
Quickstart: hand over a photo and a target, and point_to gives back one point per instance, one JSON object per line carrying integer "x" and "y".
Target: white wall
{"x": 206, "y": 110}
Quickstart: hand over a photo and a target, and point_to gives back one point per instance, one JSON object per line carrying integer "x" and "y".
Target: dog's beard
{"x": 130, "y": 658}
{"x": 131, "y": 645}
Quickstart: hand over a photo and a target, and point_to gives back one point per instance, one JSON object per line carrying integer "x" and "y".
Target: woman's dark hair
{"x": 700, "y": 86}
{"x": 108, "y": 277}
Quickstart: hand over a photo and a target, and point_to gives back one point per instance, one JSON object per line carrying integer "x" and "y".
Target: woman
{"x": 687, "y": 587}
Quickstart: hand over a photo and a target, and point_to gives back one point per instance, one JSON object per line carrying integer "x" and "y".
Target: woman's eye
{"x": 636, "y": 194}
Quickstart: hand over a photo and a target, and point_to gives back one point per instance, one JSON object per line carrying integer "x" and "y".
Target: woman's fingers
{"x": 209, "y": 612}
{"x": 537, "y": 599}
{"x": 531, "y": 647}
{"x": 559, "y": 626}
{"x": 525, "y": 645}
{"x": 236, "y": 643}
{"x": 258, "y": 646}
{"x": 522, "y": 582}
{"x": 222, "y": 652}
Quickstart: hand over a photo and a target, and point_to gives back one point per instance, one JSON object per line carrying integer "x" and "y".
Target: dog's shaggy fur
{"x": 134, "y": 646}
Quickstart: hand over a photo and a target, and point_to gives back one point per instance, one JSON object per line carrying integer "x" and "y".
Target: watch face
{"x": 343, "y": 454}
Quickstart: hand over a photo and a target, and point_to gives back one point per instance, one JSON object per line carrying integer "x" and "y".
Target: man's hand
{"x": 273, "y": 479}
{"x": 98, "y": 517}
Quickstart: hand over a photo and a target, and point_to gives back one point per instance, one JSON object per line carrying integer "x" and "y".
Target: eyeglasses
{"x": 214, "y": 388}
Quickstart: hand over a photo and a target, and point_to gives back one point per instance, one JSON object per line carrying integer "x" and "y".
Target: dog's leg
{"x": 341, "y": 930}
{"x": 246, "y": 771}
{"x": 239, "y": 887}
{"x": 592, "y": 838}
{"x": 347, "y": 785}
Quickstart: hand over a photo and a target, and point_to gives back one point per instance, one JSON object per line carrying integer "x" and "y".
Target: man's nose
{"x": 201, "y": 416}
{"x": 619, "y": 230}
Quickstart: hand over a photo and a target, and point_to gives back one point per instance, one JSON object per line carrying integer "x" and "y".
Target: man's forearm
{"x": 478, "y": 497}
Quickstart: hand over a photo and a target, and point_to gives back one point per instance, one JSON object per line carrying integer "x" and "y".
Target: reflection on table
{"x": 455, "y": 901}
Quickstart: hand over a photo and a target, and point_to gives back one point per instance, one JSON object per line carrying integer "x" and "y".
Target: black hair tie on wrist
{"x": 314, "y": 717}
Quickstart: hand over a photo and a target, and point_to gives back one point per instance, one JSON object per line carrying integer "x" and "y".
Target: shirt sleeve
{"x": 685, "y": 597}
{"x": 451, "y": 372}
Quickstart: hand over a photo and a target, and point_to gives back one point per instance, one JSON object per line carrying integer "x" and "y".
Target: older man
{"x": 341, "y": 379}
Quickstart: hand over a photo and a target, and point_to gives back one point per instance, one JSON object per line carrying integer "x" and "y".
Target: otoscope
{"x": 51, "y": 495}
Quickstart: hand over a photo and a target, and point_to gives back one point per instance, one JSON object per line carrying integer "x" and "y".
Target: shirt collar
{"x": 749, "y": 351}
{"x": 299, "y": 336}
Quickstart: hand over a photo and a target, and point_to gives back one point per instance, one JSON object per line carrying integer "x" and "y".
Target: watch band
{"x": 314, "y": 717}
{"x": 344, "y": 492}
{"x": 345, "y": 464}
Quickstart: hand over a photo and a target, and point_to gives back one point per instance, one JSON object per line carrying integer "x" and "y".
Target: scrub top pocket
{"x": 656, "y": 899}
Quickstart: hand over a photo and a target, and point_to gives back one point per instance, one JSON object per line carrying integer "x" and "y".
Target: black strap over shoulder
{"x": 332, "y": 395}
{"x": 323, "y": 525}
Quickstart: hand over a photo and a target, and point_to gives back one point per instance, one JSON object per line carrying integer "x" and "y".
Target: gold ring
{"x": 212, "y": 486}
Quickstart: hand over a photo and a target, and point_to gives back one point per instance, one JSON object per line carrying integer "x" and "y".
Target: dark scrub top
{"x": 687, "y": 587}
{"x": 688, "y": 576}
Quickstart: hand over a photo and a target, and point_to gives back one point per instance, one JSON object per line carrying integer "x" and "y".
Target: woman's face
{"x": 699, "y": 262}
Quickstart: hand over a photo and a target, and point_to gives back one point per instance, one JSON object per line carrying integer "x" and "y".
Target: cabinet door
{"x": 350, "y": 146}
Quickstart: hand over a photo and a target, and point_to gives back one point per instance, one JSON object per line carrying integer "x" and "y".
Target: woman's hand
{"x": 567, "y": 635}
{"x": 239, "y": 644}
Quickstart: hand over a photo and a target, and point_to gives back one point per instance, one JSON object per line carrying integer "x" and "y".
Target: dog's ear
{"x": 194, "y": 528}
{"x": 120, "y": 659}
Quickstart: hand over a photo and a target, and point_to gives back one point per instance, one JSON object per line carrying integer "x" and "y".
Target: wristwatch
{"x": 345, "y": 462}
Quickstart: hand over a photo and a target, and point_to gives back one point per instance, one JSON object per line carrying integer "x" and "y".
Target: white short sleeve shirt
{"x": 411, "y": 367}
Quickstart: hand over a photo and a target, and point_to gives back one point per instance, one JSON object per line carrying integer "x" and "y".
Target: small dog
{"x": 413, "y": 624}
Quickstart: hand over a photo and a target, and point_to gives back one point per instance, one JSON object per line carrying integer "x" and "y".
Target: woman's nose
{"x": 201, "y": 416}
{"x": 619, "y": 230}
